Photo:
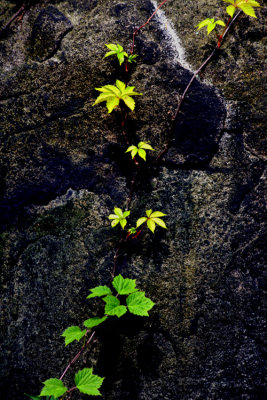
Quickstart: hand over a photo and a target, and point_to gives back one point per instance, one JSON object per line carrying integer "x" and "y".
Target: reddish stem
{"x": 22, "y": 11}
{"x": 77, "y": 355}
{"x": 180, "y": 102}
{"x": 147, "y": 22}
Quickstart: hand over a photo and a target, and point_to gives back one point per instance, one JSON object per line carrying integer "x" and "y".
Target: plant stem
{"x": 147, "y": 22}
{"x": 180, "y": 102}
{"x": 77, "y": 355}
{"x": 19, "y": 12}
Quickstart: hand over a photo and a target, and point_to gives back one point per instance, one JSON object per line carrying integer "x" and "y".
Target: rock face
{"x": 63, "y": 168}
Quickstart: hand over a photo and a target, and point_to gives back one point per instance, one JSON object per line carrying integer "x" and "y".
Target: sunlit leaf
{"x": 92, "y": 322}
{"x": 124, "y": 286}
{"x": 99, "y": 291}
{"x": 73, "y": 333}
{"x": 53, "y": 387}
{"x": 87, "y": 382}
{"x": 139, "y": 304}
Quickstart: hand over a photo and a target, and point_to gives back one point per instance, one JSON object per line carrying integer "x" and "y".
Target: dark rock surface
{"x": 63, "y": 168}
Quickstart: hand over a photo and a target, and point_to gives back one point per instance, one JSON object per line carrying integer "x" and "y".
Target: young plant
{"x": 210, "y": 23}
{"x": 119, "y": 217}
{"x": 117, "y": 50}
{"x": 113, "y": 94}
{"x": 151, "y": 220}
{"x": 85, "y": 381}
{"x": 245, "y": 5}
{"x": 140, "y": 149}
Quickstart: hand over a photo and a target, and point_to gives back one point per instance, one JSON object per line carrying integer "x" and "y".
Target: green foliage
{"x": 132, "y": 231}
{"x": 139, "y": 304}
{"x": 40, "y": 398}
{"x": 73, "y": 333}
{"x": 88, "y": 383}
{"x": 136, "y": 301}
{"x": 139, "y": 149}
{"x": 113, "y": 94}
{"x": 152, "y": 219}
{"x": 132, "y": 57}
{"x": 99, "y": 291}
{"x": 210, "y": 23}
{"x": 124, "y": 286}
{"x": 53, "y": 387}
{"x": 95, "y": 321}
{"x": 113, "y": 306}
{"x": 117, "y": 50}
{"x": 119, "y": 217}
{"x": 245, "y": 5}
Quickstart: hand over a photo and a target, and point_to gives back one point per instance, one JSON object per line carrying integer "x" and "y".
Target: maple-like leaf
{"x": 113, "y": 94}
{"x": 88, "y": 383}
{"x": 53, "y": 387}
{"x": 139, "y": 304}
{"x": 73, "y": 333}
{"x": 116, "y": 49}
{"x": 152, "y": 219}
{"x": 119, "y": 217}
{"x": 210, "y": 23}
{"x": 139, "y": 149}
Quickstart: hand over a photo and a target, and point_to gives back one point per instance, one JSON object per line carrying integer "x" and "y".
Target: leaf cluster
{"x": 85, "y": 381}
{"x": 117, "y": 50}
{"x": 245, "y": 5}
{"x": 119, "y": 217}
{"x": 140, "y": 149}
{"x": 113, "y": 94}
{"x": 151, "y": 219}
{"x": 210, "y": 23}
{"x": 136, "y": 303}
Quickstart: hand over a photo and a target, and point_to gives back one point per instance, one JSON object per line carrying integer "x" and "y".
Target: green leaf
{"x": 113, "y": 306}
{"x": 116, "y": 49}
{"x": 157, "y": 214}
{"x": 220, "y": 22}
{"x": 115, "y": 222}
{"x": 151, "y": 225}
{"x": 124, "y": 286}
{"x": 140, "y": 221}
{"x": 159, "y": 222}
{"x": 73, "y": 333}
{"x": 230, "y": 10}
{"x": 92, "y": 322}
{"x": 112, "y": 95}
{"x": 112, "y": 103}
{"x": 139, "y": 304}
{"x": 130, "y": 148}
{"x": 53, "y": 387}
{"x": 99, "y": 291}
{"x": 33, "y": 397}
{"x": 144, "y": 145}
{"x": 134, "y": 152}
{"x": 123, "y": 223}
{"x": 247, "y": 9}
{"x": 229, "y": 1}
{"x": 129, "y": 102}
{"x": 87, "y": 382}
{"x": 148, "y": 213}
{"x": 132, "y": 231}
{"x": 119, "y": 217}
{"x": 142, "y": 154}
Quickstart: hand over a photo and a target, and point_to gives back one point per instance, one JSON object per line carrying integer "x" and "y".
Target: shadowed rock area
{"x": 63, "y": 168}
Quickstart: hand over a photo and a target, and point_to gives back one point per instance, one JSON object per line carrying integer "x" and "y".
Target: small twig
{"x": 77, "y": 355}
{"x": 142, "y": 26}
{"x": 17, "y": 14}
{"x": 181, "y": 100}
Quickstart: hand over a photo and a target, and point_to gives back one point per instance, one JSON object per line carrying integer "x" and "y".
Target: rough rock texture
{"x": 63, "y": 168}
